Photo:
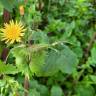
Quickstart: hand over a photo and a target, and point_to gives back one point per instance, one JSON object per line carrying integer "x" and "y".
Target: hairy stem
{"x": 26, "y": 85}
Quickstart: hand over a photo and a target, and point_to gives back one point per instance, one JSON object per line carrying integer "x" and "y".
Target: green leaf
{"x": 37, "y": 61}
{"x": 8, "y": 4}
{"x": 43, "y": 90}
{"x": 68, "y": 61}
{"x": 69, "y": 28}
{"x": 56, "y": 91}
{"x": 51, "y": 66}
{"x": 64, "y": 60}
{"x": 55, "y": 26}
{"x": 92, "y": 58}
{"x": 85, "y": 90}
{"x": 40, "y": 37}
{"x": 2, "y": 83}
{"x": 92, "y": 78}
{"x": 93, "y": 54}
{"x": 7, "y": 69}
{"x": 21, "y": 55}
{"x": 34, "y": 92}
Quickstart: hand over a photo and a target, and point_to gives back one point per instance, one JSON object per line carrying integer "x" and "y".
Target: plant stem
{"x": 26, "y": 85}
{"x": 6, "y": 18}
{"x": 90, "y": 44}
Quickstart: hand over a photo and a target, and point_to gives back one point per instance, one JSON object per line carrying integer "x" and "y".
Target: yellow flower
{"x": 12, "y": 32}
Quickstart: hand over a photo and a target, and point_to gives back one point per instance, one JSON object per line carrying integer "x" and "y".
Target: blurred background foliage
{"x": 58, "y": 52}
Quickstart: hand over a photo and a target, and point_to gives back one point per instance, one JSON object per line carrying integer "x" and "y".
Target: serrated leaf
{"x": 7, "y": 69}
{"x": 64, "y": 60}
{"x": 51, "y": 66}
{"x": 68, "y": 61}
{"x": 20, "y": 55}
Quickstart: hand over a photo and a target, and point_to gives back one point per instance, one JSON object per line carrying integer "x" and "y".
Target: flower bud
{"x": 21, "y": 10}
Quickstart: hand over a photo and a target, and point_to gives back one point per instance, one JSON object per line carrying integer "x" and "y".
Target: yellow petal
{"x": 3, "y": 30}
{"x": 22, "y": 34}
{"x": 12, "y": 31}
{"x": 7, "y": 41}
{"x": 18, "y": 39}
{"x": 12, "y": 41}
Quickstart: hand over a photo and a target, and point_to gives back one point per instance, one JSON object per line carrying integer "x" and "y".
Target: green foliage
{"x": 83, "y": 90}
{"x": 63, "y": 60}
{"x": 21, "y": 59}
{"x": 9, "y": 4}
{"x": 92, "y": 58}
{"x": 56, "y": 91}
{"x": 7, "y": 69}
{"x": 37, "y": 62}
{"x": 57, "y": 52}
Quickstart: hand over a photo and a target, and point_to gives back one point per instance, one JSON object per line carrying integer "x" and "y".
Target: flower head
{"x": 12, "y": 32}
